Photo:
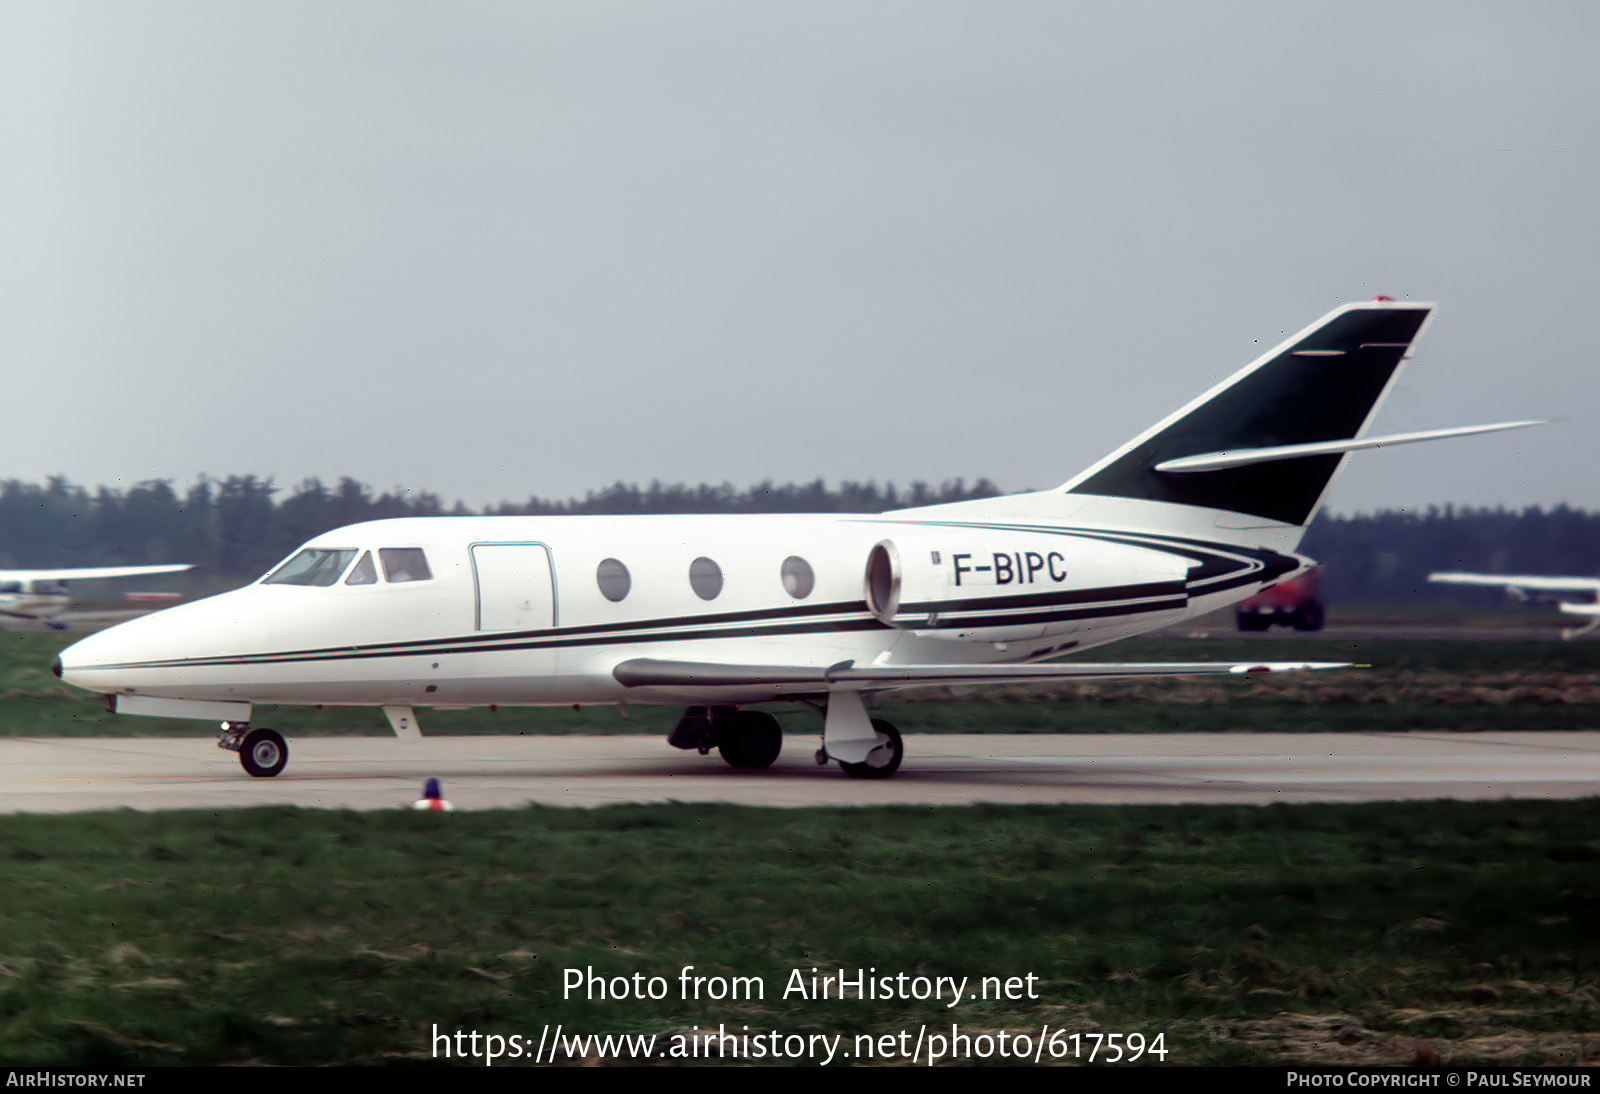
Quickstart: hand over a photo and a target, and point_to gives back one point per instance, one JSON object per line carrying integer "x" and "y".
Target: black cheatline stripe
{"x": 1142, "y": 539}
{"x": 1035, "y": 618}
{"x": 364, "y": 654}
{"x": 1212, "y": 569}
{"x": 508, "y": 643}
{"x": 1075, "y": 596}
{"x": 423, "y": 647}
{"x": 1108, "y": 611}
{"x": 1221, "y": 566}
{"x": 999, "y": 610}
{"x": 705, "y": 627}
{"x": 426, "y": 645}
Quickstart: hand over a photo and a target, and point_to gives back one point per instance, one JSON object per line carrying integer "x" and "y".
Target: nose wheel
{"x": 262, "y": 752}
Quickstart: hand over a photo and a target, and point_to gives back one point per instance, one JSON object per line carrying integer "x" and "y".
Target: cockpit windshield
{"x": 313, "y": 566}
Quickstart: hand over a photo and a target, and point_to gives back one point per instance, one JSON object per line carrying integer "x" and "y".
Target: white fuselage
{"x": 540, "y": 610}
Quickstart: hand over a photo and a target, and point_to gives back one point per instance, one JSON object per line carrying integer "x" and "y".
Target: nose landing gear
{"x": 262, "y": 752}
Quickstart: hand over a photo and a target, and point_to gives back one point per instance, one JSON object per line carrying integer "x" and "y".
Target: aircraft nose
{"x": 159, "y": 650}
{"x": 80, "y": 664}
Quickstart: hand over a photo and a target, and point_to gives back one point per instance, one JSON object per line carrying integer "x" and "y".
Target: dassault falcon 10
{"x": 715, "y": 613}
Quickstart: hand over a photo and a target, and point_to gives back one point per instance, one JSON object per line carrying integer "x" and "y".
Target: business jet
{"x": 1573, "y": 595}
{"x": 41, "y": 595}
{"x": 715, "y": 614}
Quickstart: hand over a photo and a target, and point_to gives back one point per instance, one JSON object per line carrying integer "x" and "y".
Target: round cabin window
{"x": 705, "y": 578}
{"x": 613, "y": 579}
{"x": 798, "y": 580}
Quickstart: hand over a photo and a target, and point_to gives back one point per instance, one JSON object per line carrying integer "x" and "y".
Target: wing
{"x": 91, "y": 573}
{"x": 1520, "y": 581}
{"x": 1520, "y": 585}
{"x": 748, "y": 683}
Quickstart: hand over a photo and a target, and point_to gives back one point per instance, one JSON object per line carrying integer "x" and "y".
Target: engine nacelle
{"x": 968, "y": 584}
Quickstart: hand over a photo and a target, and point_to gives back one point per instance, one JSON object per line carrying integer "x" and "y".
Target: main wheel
{"x": 884, "y": 759}
{"x": 750, "y": 740}
{"x": 263, "y": 753}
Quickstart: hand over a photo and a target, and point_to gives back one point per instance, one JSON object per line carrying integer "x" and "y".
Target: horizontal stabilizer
{"x": 647, "y": 672}
{"x": 1244, "y": 457}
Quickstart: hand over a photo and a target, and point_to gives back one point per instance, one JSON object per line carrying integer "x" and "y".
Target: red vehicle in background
{"x": 1294, "y": 603}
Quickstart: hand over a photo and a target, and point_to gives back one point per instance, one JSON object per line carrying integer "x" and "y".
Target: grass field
{"x": 1449, "y": 932}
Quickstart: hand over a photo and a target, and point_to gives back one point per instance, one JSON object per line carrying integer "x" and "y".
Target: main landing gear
{"x": 882, "y": 761}
{"x": 751, "y": 740}
{"x": 262, "y": 752}
{"x": 747, "y": 739}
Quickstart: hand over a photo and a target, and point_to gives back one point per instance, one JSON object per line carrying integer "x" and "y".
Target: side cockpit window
{"x": 313, "y": 566}
{"x": 404, "y": 564}
{"x": 363, "y": 572}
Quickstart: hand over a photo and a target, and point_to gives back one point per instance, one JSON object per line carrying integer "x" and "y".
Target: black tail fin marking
{"x": 1321, "y": 385}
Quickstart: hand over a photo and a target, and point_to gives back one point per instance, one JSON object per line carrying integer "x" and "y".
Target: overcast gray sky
{"x": 492, "y": 250}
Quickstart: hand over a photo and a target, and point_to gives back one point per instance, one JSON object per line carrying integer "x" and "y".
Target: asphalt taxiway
{"x": 62, "y": 775}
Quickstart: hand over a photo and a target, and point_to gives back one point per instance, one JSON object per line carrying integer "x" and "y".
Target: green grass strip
{"x": 1454, "y": 932}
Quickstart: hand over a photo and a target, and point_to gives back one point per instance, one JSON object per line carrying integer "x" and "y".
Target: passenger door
{"x": 515, "y": 586}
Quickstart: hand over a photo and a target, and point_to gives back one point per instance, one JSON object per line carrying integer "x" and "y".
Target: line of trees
{"x": 235, "y": 528}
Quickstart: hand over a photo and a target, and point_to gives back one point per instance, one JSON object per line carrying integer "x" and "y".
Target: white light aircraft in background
{"x": 715, "y": 613}
{"x": 41, "y": 594}
{"x": 1573, "y": 595}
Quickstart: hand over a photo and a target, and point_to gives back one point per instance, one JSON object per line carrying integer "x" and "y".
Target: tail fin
{"x": 1259, "y": 450}
{"x": 1267, "y": 441}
